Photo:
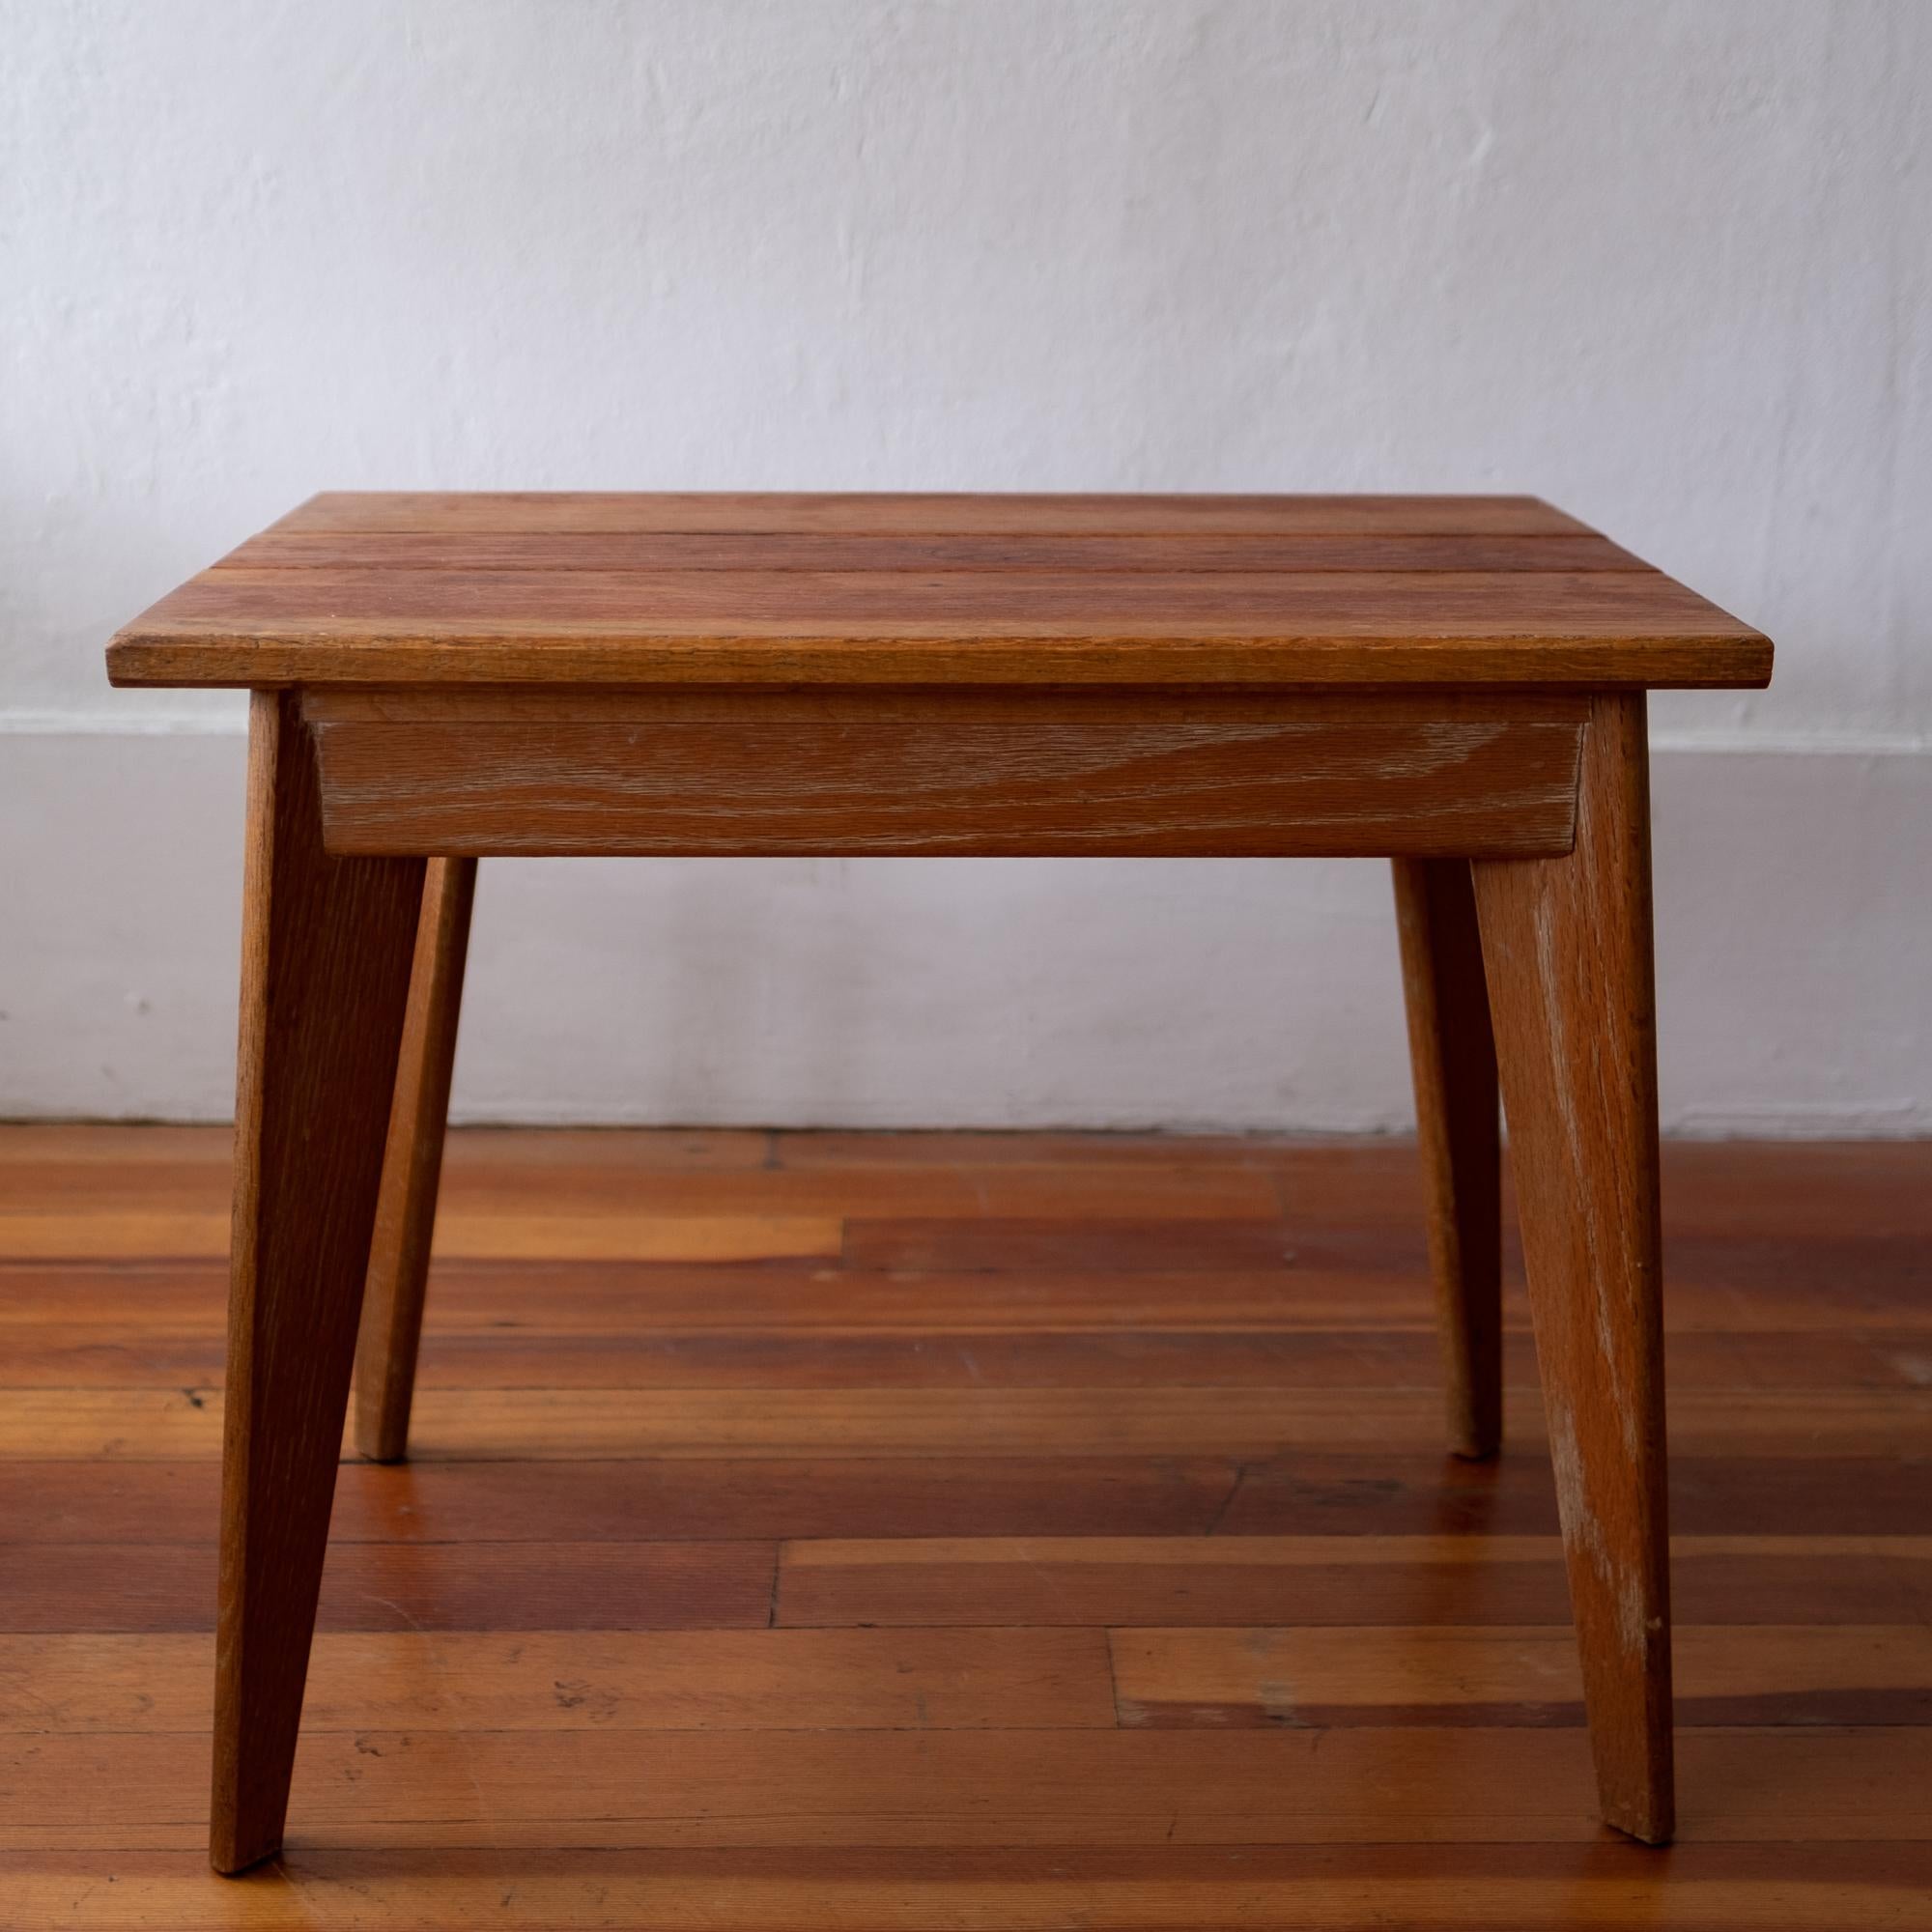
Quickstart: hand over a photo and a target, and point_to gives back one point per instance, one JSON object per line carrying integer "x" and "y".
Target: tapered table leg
{"x": 1568, "y": 947}
{"x": 324, "y": 975}
{"x": 1453, "y": 1057}
{"x": 392, "y": 1305}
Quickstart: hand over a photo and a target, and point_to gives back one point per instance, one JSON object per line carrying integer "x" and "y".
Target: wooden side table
{"x": 1456, "y": 683}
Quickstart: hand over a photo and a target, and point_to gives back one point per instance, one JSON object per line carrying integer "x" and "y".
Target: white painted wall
{"x": 1667, "y": 264}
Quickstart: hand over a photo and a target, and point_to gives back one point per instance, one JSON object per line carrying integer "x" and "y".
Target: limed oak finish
{"x": 1454, "y": 683}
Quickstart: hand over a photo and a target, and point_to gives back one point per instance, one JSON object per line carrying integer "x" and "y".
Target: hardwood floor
{"x": 916, "y": 1530}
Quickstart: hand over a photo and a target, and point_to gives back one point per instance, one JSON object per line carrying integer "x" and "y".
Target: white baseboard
{"x": 1794, "y": 929}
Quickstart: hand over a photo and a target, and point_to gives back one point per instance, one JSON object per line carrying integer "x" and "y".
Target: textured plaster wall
{"x": 1667, "y": 263}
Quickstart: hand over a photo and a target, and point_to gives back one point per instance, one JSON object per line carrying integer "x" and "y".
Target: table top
{"x": 568, "y": 588}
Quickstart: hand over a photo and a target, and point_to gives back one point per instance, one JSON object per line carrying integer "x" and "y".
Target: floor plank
{"x": 64, "y": 1355}
{"x": 1767, "y": 1674}
{"x": 652, "y": 1584}
{"x": 173, "y": 1425}
{"x": 1129, "y": 1786}
{"x": 752, "y": 1680}
{"x": 1359, "y": 1582}
{"x": 1354, "y": 1281}
{"x": 132, "y": 1233}
{"x": 647, "y": 1500}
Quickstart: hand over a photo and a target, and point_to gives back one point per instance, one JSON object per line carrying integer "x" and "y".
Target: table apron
{"x": 1002, "y": 773}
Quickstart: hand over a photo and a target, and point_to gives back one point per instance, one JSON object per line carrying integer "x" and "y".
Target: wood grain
{"x": 325, "y": 977}
{"x": 731, "y": 1497}
{"x": 601, "y": 1787}
{"x": 637, "y": 1236}
{"x": 1463, "y": 1578}
{"x": 167, "y": 1582}
{"x": 1118, "y": 1274}
{"x": 953, "y": 773}
{"x": 1576, "y": 630}
{"x": 1016, "y": 513}
{"x": 1453, "y": 1063}
{"x": 1767, "y": 1674}
{"x": 1255, "y": 1422}
{"x": 622, "y": 1352}
{"x": 657, "y": 551}
{"x": 809, "y": 1686}
{"x": 1433, "y": 1888}
{"x": 1745, "y": 1489}
{"x": 909, "y": 590}
{"x": 675, "y": 1680}
{"x": 1567, "y": 946}
{"x": 619, "y": 1170}
{"x": 399, "y": 1250}
{"x": 1468, "y": 1578}
{"x": 1124, "y": 1273}
{"x": 1749, "y": 1490}
{"x": 939, "y": 1678}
